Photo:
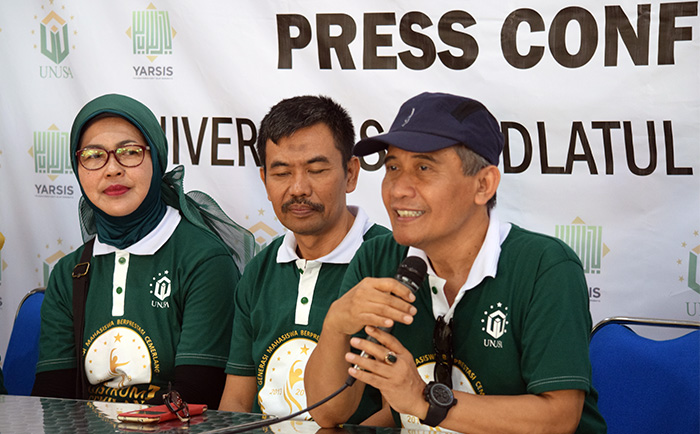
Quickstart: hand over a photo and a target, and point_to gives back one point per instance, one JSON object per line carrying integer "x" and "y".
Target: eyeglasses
{"x": 176, "y": 405}
{"x": 444, "y": 358}
{"x": 95, "y": 158}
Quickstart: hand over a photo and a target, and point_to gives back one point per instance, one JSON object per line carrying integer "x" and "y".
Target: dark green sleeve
{"x": 56, "y": 341}
{"x": 240, "y": 357}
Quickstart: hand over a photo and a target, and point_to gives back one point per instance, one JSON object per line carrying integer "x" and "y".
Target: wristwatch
{"x": 441, "y": 399}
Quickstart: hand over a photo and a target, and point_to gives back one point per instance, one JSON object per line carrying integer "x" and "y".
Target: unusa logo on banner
{"x": 55, "y": 35}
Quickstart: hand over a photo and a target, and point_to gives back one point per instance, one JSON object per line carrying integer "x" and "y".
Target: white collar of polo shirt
{"x": 342, "y": 254}
{"x": 309, "y": 270}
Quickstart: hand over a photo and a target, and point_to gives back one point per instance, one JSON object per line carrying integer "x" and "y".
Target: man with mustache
{"x": 305, "y": 144}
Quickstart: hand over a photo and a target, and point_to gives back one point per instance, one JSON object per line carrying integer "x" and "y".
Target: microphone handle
{"x": 371, "y": 339}
{"x": 351, "y": 380}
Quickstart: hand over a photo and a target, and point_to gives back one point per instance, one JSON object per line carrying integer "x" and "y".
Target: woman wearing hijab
{"x": 159, "y": 301}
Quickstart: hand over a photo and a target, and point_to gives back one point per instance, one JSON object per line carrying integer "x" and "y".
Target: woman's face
{"x": 115, "y": 189}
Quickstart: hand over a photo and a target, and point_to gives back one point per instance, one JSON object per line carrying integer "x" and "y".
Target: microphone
{"x": 411, "y": 273}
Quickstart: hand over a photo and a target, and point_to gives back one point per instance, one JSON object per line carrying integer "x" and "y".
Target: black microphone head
{"x": 411, "y": 272}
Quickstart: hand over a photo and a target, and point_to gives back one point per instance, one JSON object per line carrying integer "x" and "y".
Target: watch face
{"x": 441, "y": 394}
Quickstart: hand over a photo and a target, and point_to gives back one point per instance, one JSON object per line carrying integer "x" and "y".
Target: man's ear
{"x": 353, "y": 174}
{"x": 262, "y": 178}
{"x": 488, "y": 179}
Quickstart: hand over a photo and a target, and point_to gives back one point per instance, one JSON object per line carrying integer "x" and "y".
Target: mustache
{"x": 301, "y": 201}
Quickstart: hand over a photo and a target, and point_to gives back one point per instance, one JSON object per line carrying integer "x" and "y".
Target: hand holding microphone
{"x": 411, "y": 273}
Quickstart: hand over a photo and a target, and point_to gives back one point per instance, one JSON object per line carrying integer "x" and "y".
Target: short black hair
{"x": 472, "y": 163}
{"x": 292, "y": 114}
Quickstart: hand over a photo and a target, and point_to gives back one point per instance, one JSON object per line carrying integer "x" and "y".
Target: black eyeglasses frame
{"x": 175, "y": 404}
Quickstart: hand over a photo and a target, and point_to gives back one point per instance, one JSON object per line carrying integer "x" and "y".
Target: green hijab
{"x": 165, "y": 189}
{"x": 123, "y": 231}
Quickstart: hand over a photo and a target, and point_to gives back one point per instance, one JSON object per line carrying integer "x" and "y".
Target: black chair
{"x": 23, "y": 349}
{"x": 646, "y": 385}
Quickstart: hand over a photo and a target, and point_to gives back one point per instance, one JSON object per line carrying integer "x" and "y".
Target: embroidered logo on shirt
{"x": 494, "y": 324}
{"x": 161, "y": 288}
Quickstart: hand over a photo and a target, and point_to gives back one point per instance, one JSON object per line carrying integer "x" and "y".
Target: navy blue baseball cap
{"x": 432, "y": 121}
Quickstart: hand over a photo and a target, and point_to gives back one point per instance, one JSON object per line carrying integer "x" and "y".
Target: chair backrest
{"x": 23, "y": 349}
{"x": 645, "y": 385}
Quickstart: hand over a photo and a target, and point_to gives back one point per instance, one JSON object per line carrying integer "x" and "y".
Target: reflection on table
{"x": 28, "y": 414}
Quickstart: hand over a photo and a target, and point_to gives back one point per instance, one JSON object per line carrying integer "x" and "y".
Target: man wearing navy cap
{"x": 496, "y": 340}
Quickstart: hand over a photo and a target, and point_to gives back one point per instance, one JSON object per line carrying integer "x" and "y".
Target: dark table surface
{"x": 28, "y": 414}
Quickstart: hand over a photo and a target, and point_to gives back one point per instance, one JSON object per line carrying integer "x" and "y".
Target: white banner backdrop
{"x": 600, "y": 105}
